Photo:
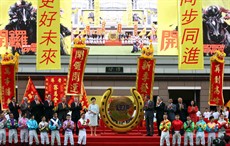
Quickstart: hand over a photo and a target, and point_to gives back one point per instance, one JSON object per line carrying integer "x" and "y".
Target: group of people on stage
{"x": 43, "y": 117}
{"x": 183, "y": 120}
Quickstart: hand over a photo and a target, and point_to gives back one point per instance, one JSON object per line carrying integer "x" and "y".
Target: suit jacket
{"x": 25, "y": 109}
{"x": 171, "y": 112}
{"x": 76, "y": 109}
{"x": 37, "y": 110}
{"x": 14, "y": 109}
{"x": 48, "y": 109}
{"x": 149, "y": 108}
{"x": 182, "y": 112}
{"x": 62, "y": 112}
{"x": 160, "y": 110}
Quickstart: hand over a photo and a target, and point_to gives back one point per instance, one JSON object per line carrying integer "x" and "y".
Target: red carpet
{"x": 113, "y": 43}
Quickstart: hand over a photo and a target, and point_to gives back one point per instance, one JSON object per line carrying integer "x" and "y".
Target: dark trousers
{"x": 149, "y": 125}
{"x": 159, "y": 120}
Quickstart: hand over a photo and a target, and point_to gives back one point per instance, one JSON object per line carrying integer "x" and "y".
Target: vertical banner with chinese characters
{"x": 48, "y": 35}
{"x": 7, "y": 84}
{"x": 167, "y": 27}
{"x": 55, "y": 86}
{"x": 216, "y": 79}
{"x": 145, "y": 76}
{"x": 135, "y": 28}
{"x": 76, "y": 69}
{"x": 97, "y": 12}
{"x": 190, "y": 35}
{"x": 31, "y": 91}
{"x": 119, "y": 28}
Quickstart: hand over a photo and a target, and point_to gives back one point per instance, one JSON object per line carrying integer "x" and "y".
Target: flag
{"x": 31, "y": 91}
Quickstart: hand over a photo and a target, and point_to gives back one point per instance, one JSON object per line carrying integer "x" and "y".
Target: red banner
{"x": 145, "y": 76}
{"x": 76, "y": 71}
{"x": 7, "y": 85}
{"x": 55, "y": 86}
{"x": 119, "y": 28}
{"x": 31, "y": 91}
{"x": 135, "y": 29}
{"x": 216, "y": 79}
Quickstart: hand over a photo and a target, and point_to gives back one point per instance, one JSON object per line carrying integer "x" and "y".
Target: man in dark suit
{"x": 182, "y": 110}
{"x": 13, "y": 107}
{"x": 160, "y": 110}
{"x": 76, "y": 108}
{"x": 25, "y": 107}
{"x": 171, "y": 110}
{"x": 48, "y": 105}
{"x": 37, "y": 109}
{"x": 63, "y": 109}
{"x": 149, "y": 115}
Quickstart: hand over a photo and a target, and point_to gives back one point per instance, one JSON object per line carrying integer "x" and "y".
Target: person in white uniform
{"x": 82, "y": 125}
{"x": 43, "y": 128}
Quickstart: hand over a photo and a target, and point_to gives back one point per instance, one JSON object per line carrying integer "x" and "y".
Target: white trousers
{"x": 3, "y": 136}
{"x": 176, "y": 138}
{"x": 221, "y": 134}
{"x": 68, "y": 136}
{"x": 44, "y": 138}
{"x": 211, "y": 137}
{"x": 82, "y": 137}
{"x": 55, "y": 135}
{"x": 24, "y": 134}
{"x": 13, "y": 135}
{"x": 188, "y": 136}
{"x": 200, "y": 138}
{"x": 33, "y": 135}
{"x": 164, "y": 137}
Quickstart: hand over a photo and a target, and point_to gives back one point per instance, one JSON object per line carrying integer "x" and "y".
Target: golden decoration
{"x": 218, "y": 56}
{"x": 125, "y": 127}
{"x": 147, "y": 52}
{"x": 10, "y": 59}
{"x": 79, "y": 42}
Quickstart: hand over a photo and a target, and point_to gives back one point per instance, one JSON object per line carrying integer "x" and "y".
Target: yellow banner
{"x": 190, "y": 35}
{"x": 166, "y": 34}
{"x": 48, "y": 35}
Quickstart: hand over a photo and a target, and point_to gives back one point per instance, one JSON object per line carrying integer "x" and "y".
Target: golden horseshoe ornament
{"x": 106, "y": 114}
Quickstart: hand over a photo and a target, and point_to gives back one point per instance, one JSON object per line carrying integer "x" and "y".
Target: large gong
{"x": 121, "y": 113}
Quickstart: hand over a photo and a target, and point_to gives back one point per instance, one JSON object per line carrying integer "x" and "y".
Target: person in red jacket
{"x": 192, "y": 110}
{"x": 177, "y": 125}
{"x": 222, "y": 126}
{"x": 82, "y": 124}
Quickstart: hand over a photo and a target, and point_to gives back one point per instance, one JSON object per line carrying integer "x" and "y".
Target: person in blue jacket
{"x": 54, "y": 126}
{"x": 32, "y": 127}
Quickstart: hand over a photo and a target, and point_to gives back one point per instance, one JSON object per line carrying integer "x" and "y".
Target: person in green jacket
{"x": 188, "y": 128}
{"x": 12, "y": 125}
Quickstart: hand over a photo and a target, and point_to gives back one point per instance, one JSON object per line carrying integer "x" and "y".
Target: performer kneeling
{"x": 189, "y": 128}
{"x": 68, "y": 126}
{"x": 211, "y": 128}
{"x": 177, "y": 125}
{"x": 24, "y": 134}
{"x": 54, "y": 126}
{"x": 165, "y": 127}
{"x": 2, "y": 129}
{"x": 200, "y": 128}
{"x": 43, "y": 128}
{"x": 12, "y": 125}
{"x": 32, "y": 126}
{"x": 82, "y": 125}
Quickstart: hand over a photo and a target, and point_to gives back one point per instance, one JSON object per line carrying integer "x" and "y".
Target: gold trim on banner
{"x": 70, "y": 64}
